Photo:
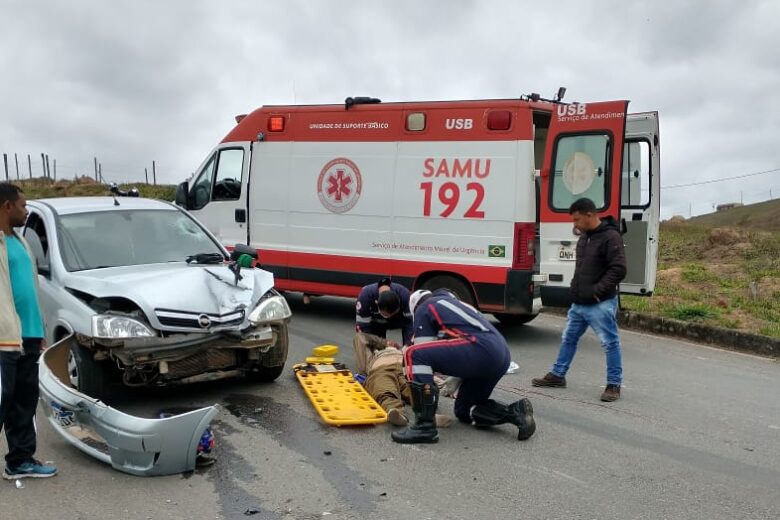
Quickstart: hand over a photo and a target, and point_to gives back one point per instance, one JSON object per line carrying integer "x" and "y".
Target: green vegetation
{"x": 721, "y": 269}
{"x": 87, "y": 187}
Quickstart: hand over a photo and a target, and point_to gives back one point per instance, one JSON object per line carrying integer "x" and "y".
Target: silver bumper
{"x": 134, "y": 445}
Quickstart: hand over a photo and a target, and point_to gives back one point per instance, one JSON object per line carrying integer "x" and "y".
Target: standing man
{"x": 380, "y": 307}
{"x": 21, "y": 340}
{"x": 601, "y": 266}
{"x": 453, "y": 338}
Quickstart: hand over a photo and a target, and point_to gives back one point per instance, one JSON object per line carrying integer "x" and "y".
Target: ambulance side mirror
{"x": 182, "y": 190}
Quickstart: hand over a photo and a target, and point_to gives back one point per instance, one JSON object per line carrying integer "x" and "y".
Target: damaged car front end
{"x": 150, "y": 297}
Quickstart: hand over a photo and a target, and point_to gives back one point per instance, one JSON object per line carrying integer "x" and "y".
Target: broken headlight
{"x": 269, "y": 310}
{"x": 114, "y": 327}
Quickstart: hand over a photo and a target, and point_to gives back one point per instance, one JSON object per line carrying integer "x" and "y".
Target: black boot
{"x": 522, "y": 414}
{"x": 492, "y": 413}
{"x": 425, "y": 398}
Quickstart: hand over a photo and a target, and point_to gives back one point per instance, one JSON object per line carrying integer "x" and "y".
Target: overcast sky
{"x": 136, "y": 81}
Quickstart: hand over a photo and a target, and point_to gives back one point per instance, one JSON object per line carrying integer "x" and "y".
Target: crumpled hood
{"x": 207, "y": 289}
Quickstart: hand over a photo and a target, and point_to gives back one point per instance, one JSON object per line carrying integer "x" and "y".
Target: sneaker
{"x": 611, "y": 393}
{"x": 396, "y": 417}
{"x": 29, "y": 469}
{"x": 551, "y": 380}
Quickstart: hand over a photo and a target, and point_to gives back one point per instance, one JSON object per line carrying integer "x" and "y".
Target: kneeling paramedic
{"x": 453, "y": 338}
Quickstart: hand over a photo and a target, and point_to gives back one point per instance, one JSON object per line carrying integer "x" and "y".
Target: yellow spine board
{"x": 337, "y": 397}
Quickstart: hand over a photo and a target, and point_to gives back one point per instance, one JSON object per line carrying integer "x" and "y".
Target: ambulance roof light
{"x": 560, "y": 94}
{"x": 239, "y": 117}
{"x": 360, "y": 100}
{"x": 276, "y": 124}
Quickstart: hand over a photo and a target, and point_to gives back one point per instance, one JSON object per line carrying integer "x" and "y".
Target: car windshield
{"x": 130, "y": 237}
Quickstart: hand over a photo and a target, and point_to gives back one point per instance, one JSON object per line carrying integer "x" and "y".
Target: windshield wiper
{"x": 205, "y": 258}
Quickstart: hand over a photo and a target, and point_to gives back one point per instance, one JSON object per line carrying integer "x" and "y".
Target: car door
{"x": 36, "y": 234}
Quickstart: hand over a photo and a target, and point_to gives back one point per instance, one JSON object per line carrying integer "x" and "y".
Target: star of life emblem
{"x": 339, "y": 185}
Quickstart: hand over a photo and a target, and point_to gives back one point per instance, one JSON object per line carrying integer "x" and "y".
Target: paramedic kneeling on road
{"x": 453, "y": 338}
{"x": 382, "y": 306}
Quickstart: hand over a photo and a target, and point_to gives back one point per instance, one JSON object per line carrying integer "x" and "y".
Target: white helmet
{"x": 415, "y": 298}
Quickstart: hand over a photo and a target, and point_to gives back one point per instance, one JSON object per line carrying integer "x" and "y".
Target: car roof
{"x": 70, "y": 205}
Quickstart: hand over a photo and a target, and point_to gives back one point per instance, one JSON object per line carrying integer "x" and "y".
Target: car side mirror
{"x": 243, "y": 249}
{"x": 182, "y": 192}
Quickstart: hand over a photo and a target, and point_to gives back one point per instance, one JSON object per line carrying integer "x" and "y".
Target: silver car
{"x": 150, "y": 296}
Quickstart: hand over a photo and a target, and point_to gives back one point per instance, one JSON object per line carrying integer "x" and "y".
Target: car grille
{"x": 198, "y": 320}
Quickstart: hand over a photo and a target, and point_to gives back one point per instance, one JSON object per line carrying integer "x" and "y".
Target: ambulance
{"x": 468, "y": 195}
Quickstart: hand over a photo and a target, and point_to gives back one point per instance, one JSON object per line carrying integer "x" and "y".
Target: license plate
{"x": 567, "y": 254}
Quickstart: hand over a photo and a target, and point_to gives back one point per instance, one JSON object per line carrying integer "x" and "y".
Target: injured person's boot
{"x": 425, "y": 398}
{"x": 492, "y": 413}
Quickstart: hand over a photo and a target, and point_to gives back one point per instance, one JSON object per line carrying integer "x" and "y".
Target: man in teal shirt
{"x": 21, "y": 340}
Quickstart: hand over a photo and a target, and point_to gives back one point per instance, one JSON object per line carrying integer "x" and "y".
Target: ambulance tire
{"x": 514, "y": 320}
{"x": 459, "y": 287}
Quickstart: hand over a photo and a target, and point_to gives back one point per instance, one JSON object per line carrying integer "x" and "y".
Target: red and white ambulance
{"x": 469, "y": 195}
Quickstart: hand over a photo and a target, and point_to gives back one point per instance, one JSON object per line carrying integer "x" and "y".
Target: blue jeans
{"x": 601, "y": 317}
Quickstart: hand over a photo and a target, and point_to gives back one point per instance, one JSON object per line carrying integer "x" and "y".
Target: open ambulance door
{"x": 583, "y": 158}
{"x": 641, "y": 202}
{"x": 217, "y": 195}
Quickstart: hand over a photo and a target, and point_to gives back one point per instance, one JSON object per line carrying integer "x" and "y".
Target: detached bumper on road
{"x": 134, "y": 445}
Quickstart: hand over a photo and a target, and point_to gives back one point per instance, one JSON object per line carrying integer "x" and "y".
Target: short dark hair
{"x": 9, "y": 192}
{"x": 388, "y": 302}
{"x": 583, "y": 205}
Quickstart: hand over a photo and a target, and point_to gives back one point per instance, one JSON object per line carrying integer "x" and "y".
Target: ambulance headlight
{"x": 270, "y": 310}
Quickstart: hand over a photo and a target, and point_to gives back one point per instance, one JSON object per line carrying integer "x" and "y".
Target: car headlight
{"x": 108, "y": 326}
{"x": 271, "y": 309}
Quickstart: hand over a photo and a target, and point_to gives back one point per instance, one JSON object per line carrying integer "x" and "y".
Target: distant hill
{"x": 764, "y": 216}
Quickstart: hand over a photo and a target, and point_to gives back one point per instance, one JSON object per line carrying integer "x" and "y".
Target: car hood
{"x": 207, "y": 289}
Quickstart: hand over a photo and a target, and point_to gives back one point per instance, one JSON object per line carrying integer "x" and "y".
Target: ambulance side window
{"x": 580, "y": 170}
{"x": 635, "y": 190}
{"x": 200, "y": 194}
{"x": 227, "y": 184}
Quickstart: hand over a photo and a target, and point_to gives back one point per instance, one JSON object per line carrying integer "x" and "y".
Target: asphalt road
{"x": 696, "y": 435}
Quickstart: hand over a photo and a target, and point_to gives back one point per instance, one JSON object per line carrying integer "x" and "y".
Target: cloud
{"x": 136, "y": 81}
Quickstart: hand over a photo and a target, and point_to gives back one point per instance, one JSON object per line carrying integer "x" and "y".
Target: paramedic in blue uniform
{"x": 383, "y": 306}
{"x": 453, "y": 338}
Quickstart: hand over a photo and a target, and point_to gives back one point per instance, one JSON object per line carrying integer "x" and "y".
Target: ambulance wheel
{"x": 514, "y": 320}
{"x": 459, "y": 287}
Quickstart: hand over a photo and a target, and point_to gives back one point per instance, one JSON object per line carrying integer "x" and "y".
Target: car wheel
{"x": 276, "y": 357}
{"x": 90, "y": 377}
{"x": 514, "y": 320}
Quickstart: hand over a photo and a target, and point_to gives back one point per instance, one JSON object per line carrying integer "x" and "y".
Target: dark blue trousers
{"x": 481, "y": 361}
{"x": 19, "y": 386}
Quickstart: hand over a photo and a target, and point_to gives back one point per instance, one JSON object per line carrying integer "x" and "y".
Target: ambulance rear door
{"x": 641, "y": 202}
{"x": 583, "y": 158}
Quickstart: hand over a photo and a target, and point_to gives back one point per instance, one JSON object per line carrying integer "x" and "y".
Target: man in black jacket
{"x": 601, "y": 266}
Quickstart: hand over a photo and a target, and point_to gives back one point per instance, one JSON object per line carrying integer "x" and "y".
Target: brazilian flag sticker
{"x": 497, "y": 251}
